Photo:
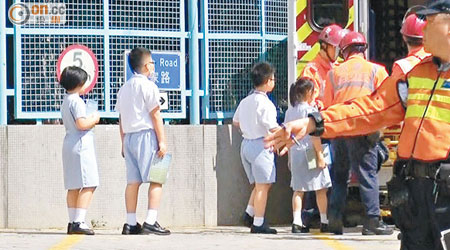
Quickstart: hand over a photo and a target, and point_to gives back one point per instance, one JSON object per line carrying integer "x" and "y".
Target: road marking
{"x": 67, "y": 242}
{"x": 332, "y": 242}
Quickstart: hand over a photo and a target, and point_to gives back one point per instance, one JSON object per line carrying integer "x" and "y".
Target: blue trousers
{"x": 354, "y": 154}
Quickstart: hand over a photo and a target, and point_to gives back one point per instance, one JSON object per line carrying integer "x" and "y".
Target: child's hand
{"x": 96, "y": 117}
{"x": 162, "y": 149}
{"x": 321, "y": 161}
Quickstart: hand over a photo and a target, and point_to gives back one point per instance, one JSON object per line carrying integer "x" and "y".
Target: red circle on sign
{"x": 91, "y": 54}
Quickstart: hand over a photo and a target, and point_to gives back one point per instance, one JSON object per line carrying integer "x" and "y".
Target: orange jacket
{"x": 351, "y": 79}
{"x": 317, "y": 71}
{"x": 426, "y": 140}
{"x": 403, "y": 66}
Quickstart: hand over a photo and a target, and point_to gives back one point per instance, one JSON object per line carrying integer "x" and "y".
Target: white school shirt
{"x": 256, "y": 115}
{"x": 299, "y": 111}
{"x": 72, "y": 109}
{"x": 135, "y": 100}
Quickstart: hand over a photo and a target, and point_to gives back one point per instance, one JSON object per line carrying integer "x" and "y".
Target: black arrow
{"x": 162, "y": 101}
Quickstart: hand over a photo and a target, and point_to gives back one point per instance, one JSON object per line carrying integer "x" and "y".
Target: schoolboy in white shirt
{"x": 143, "y": 138}
{"x": 256, "y": 116}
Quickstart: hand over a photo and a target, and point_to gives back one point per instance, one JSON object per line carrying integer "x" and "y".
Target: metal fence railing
{"x": 234, "y": 34}
{"x": 107, "y": 28}
{"x": 238, "y": 34}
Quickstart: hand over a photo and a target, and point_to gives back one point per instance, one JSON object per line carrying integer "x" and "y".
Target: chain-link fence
{"x": 235, "y": 35}
{"x": 241, "y": 33}
{"x": 107, "y": 28}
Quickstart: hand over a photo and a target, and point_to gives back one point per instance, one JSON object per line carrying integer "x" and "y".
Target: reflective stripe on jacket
{"x": 351, "y": 79}
{"x": 403, "y": 66}
{"x": 426, "y": 132}
{"x": 426, "y": 139}
{"x": 317, "y": 70}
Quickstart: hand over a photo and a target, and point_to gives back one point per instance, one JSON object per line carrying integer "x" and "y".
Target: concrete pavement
{"x": 220, "y": 238}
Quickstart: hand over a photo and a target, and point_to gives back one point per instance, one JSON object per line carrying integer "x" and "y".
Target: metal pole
{"x": 106, "y": 50}
{"x": 194, "y": 79}
{"x": 205, "y": 60}
{"x": 292, "y": 40}
{"x": 3, "y": 103}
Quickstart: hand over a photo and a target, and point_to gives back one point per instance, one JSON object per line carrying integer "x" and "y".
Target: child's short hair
{"x": 136, "y": 58}
{"x": 261, "y": 72}
{"x": 73, "y": 77}
{"x": 298, "y": 90}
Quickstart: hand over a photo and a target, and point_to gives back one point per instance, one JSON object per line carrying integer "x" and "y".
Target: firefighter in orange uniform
{"x": 412, "y": 31}
{"x": 356, "y": 76}
{"x": 317, "y": 69}
{"x": 353, "y": 78}
{"x": 419, "y": 192}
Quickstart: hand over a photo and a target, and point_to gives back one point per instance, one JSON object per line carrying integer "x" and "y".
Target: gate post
{"x": 3, "y": 103}
{"x": 194, "y": 79}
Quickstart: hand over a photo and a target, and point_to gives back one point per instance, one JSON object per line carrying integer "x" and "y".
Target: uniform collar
{"x": 303, "y": 103}
{"x": 254, "y": 91}
{"x": 139, "y": 75}
{"x": 356, "y": 56}
{"x": 323, "y": 62}
{"x": 414, "y": 51}
{"x": 442, "y": 67}
{"x": 76, "y": 94}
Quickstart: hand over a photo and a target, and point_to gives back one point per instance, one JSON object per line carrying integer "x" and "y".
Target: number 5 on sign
{"x": 80, "y": 56}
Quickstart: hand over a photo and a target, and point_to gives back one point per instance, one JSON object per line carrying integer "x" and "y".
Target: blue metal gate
{"x": 108, "y": 28}
{"x": 233, "y": 34}
{"x": 238, "y": 34}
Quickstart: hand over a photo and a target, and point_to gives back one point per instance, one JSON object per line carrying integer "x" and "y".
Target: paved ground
{"x": 220, "y": 238}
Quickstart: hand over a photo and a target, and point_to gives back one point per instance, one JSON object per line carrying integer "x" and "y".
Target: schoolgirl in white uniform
{"x": 78, "y": 152}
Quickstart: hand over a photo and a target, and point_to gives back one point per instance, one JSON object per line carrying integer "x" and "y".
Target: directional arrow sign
{"x": 163, "y": 100}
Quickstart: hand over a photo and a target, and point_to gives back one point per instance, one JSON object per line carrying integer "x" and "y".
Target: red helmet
{"x": 413, "y": 26}
{"x": 332, "y": 34}
{"x": 351, "y": 38}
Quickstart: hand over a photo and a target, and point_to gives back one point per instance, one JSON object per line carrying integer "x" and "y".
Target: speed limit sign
{"x": 80, "y": 56}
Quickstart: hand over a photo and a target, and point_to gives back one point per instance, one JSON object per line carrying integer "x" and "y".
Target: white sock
{"x": 151, "y": 216}
{"x": 83, "y": 225}
{"x": 258, "y": 221}
{"x": 131, "y": 219}
{"x": 80, "y": 215}
{"x": 297, "y": 218}
{"x": 72, "y": 212}
{"x": 250, "y": 210}
{"x": 323, "y": 219}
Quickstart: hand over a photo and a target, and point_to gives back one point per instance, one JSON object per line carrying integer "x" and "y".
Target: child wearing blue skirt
{"x": 303, "y": 177}
{"x": 78, "y": 153}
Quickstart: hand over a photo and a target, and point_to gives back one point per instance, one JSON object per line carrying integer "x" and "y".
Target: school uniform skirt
{"x": 79, "y": 161}
{"x": 304, "y": 179}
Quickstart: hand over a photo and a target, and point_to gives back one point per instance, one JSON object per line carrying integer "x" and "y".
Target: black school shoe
{"x": 262, "y": 230}
{"x": 296, "y": 229}
{"x": 127, "y": 229}
{"x": 75, "y": 229}
{"x": 323, "y": 228}
{"x": 247, "y": 220}
{"x": 69, "y": 228}
{"x": 154, "y": 229}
